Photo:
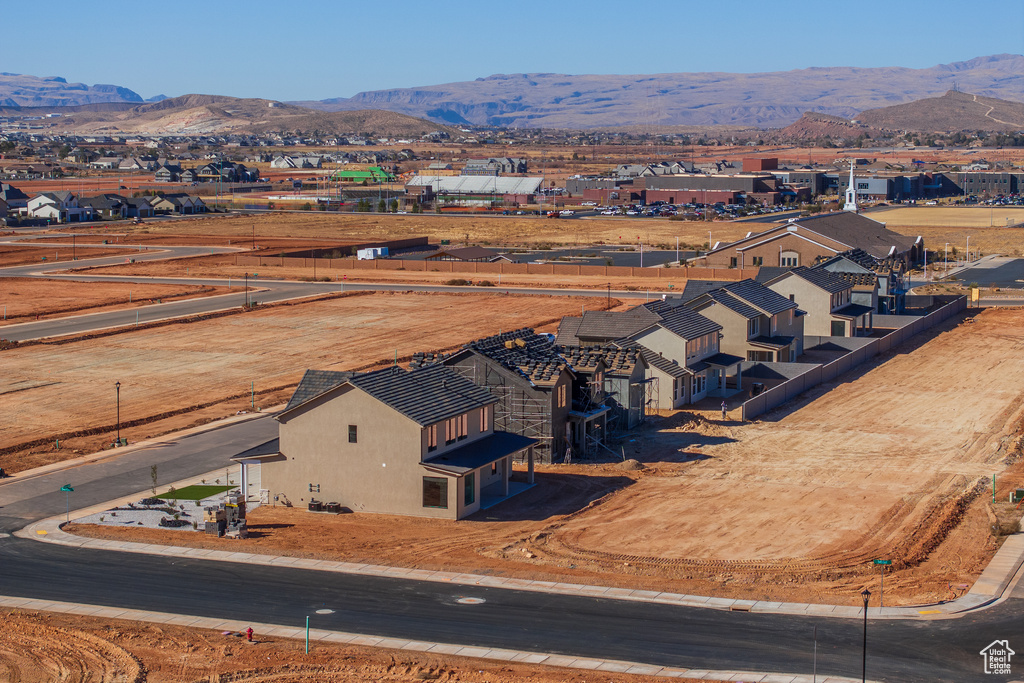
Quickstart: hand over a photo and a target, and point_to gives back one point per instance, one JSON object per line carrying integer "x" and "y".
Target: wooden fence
{"x": 871, "y": 347}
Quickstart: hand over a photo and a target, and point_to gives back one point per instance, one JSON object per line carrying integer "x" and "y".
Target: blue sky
{"x": 316, "y": 49}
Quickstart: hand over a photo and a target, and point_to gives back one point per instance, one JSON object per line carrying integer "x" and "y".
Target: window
{"x": 431, "y": 438}
{"x": 450, "y": 431}
{"x": 732, "y": 262}
{"x": 435, "y": 492}
{"x": 561, "y": 396}
{"x": 753, "y": 327}
{"x": 485, "y": 418}
{"x": 838, "y": 328}
{"x": 758, "y": 261}
{"x": 789, "y": 259}
{"x": 469, "y": 493}
{"x": 775, "y": 323}
{"x": 494, "y": 468}
{"x": 463, "y": 426}
{"x": 352, "y": 434}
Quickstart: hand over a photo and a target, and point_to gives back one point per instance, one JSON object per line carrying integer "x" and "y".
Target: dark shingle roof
{"x": 760, "y": 297}
{"x": 567, "y": 330}
{"x": 425, "y": 395}
{"x": 695, "y": 288}
{"x": 618, "y": 360}
{"x": 314, "y": 383}
{"x": 858, "y": 231}
{"x": 766, "y": 273}
{"x": 733, "y": 303}
{"x": 656, "y": 360}
{"x": 478, "y": 453}
{"x": 682, "y": 321}
{"x": 614, "y": 325}
{"x": 822, "y": 279}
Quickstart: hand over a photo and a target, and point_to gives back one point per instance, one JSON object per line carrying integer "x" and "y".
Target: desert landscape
{"x": 861, "y": 469}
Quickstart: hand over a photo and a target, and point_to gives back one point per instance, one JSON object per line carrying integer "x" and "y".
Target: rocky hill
{"x": 815, "y": 125}
{"x": 771, "y": 99}
{"x": 215, "y": 114}
{"x": 954, "y": 111}
{"x": 18, "y": 90}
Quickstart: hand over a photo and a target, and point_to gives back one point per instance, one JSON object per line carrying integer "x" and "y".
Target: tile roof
{"x": 656, "y": 360}
{"x": 314, "y": 383}
{"x": 766, "y": 273}
{"x": 528, "y": 354}
{"x": 615, "y": 324}
{"x": 618, "y": 360}
{"x": 685, "y": 322}
{"x": 777, "y": 342}
{"x": 821, "y": 278}
{"x": 478, "y": 453}
{"x": 695, "y": 288}
{"x": 858, "y": 231}
{"x": 857, "y": 279}
{"x": 733, "y": 303}
{"x": 759, "y": 296}
{"x": 567, "y": 330}
{"x": 425, "y": 395}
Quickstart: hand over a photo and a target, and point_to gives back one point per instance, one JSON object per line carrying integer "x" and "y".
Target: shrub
{"x": 458, "y": 282}
{"x": 485, "y": 283}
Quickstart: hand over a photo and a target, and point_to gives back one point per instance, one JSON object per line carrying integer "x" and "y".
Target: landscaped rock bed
{"x": 157, "y": 513}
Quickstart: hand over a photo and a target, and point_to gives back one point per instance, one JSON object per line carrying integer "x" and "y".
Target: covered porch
{"x": 250, "y": 475}
{"x": 857, "y": 317}
{"x": 483, "y": 469}
{"x": 725, "y": 377}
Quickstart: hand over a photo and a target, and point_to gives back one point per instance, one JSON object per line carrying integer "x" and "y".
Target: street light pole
{"x": 866, "y": 594}
{"x": 117, "y": 388}
{"x": 247, "y": 289}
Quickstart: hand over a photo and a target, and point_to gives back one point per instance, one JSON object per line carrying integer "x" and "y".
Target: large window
{"x": 753, "y": 327}
{"x": 470, "y": 488}
{"x": 435, "y": 492}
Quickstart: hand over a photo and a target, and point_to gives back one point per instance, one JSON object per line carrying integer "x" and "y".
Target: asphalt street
{"x": 269, "y": 291}
{"x": 651, "y": 633}
{"x": 125, "y": 472}
{"x": 941, "y": 650}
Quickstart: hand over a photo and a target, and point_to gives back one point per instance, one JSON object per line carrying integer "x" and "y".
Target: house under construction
{"x": 540, "y": 395}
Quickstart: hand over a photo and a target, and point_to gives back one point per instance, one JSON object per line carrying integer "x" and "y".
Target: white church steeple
{"x": 851, "y": 192}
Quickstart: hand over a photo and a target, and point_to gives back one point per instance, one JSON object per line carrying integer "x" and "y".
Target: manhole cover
{"x": 325, "y": 611}
{"x": 471, "y": 601}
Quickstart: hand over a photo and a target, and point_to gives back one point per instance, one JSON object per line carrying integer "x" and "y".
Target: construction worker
{"x": 725, "y": 408}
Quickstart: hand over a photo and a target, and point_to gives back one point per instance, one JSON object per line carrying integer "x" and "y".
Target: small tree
{"x": 382, "y": 206}
{"x": 394, "y": 206}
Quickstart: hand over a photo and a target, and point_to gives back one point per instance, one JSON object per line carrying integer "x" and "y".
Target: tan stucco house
{"x": 826, "y": 298}
{"x": 404, "y": 442}
{"x": 758, "y": 324}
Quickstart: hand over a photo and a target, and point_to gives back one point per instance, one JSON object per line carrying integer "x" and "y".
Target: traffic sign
{"x": 883, "y": 561}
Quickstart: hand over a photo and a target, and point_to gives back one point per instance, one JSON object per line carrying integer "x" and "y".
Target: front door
{"x": 838, "y": 328}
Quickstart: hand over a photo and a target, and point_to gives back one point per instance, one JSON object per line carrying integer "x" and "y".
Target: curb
{"x": 1001, "y": 575}
{"x": 477, "y": 652}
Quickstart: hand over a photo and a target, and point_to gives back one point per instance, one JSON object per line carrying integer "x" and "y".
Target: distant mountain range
{"x": 19, "y": 90}
{"x": 771, "y": 99}
{"x": 216, "y": 114}
{"x": 766, "y": 100}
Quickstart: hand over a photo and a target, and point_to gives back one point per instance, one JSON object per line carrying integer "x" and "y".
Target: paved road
{"x": 270, "y": 291}
{"x": 658, "y": 634}
{"x": 651, "y": 633}
{"x": 27, "y": 499}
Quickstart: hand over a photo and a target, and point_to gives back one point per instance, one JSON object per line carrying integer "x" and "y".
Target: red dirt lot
{"x": 25, "y": 299}
{"x": 64, "y": 391}
{"x": 892, "y": 462}
{"x": 17, "y": 256}
{"x": 42, "y": 646}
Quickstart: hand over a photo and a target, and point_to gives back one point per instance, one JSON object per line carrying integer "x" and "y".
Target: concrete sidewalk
{"x": 264, "y": 631}
{"x": 992, "y": 586}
